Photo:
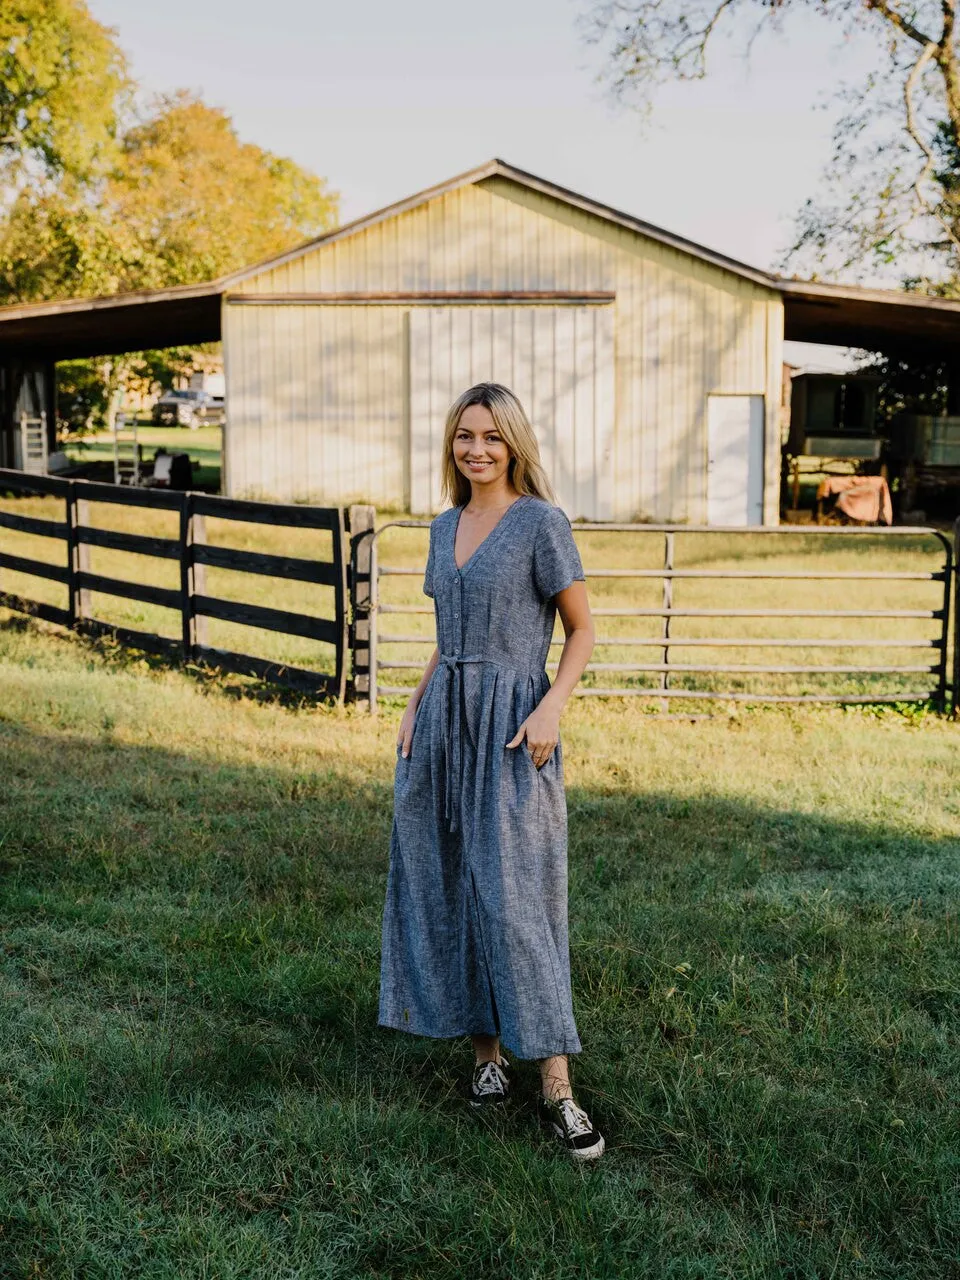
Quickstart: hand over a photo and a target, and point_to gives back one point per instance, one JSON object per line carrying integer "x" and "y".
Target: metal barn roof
{"x": 814, "y": 312}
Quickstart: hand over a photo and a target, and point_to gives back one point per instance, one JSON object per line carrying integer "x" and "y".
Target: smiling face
{"x": 480, "y": 451}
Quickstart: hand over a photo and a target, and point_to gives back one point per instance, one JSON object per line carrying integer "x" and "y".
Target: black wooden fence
{"x": 194, "y": 555}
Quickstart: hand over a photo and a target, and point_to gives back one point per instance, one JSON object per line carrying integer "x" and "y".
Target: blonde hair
{"x": 524, "y": 469}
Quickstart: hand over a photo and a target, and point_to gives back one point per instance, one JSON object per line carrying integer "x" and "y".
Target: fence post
{"x": 955, "y": 703}
{"x": 78, "y": 555}
{"x": 666, "y": 620}
{"x": 362, "y": 601}
{"x": 193, "y": 531}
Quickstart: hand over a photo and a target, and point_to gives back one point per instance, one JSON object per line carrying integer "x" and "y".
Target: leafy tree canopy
{"x": 198, "y": 202}
{"x": 63, "y": 81}
{"x": 118, "y": 200}
{"x": 100, "y": 197}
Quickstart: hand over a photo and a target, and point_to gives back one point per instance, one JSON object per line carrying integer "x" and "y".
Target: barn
{"x": 650, "y": 366}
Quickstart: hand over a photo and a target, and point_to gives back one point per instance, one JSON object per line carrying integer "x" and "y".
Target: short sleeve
{"x": 428, "y": 572}
{"x": 556, "y": 560}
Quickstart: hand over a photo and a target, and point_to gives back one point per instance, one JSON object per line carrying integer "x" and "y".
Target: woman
{"x": 475, "y": 921}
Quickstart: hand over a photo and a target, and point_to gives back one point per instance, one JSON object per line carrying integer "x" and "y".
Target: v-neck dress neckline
{"x": 461, "y": 569}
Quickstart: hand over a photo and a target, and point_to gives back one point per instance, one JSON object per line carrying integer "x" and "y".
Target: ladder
{"x": 126, "y": 451}
{"x": 33, "y": 444}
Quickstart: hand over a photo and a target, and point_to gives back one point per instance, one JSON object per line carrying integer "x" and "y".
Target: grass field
{"x": 766, "y": 972}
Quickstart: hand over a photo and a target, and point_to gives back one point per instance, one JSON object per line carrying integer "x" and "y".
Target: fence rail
{"x": 666, "y": 667}
{"x": 193, "y": 554}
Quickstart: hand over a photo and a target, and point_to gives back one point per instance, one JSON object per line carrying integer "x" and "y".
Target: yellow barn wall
{"x": 317, "y": 394}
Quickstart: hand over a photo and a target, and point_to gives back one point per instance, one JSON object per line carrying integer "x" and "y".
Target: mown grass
{"x": 766, "y": 979}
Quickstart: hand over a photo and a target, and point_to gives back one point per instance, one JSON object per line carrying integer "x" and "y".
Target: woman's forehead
{"x": 477, "y": 417}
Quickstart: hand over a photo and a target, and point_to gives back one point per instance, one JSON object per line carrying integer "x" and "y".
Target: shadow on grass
{"x": 768, "y": 1000}
{"x": 121, "y": 657}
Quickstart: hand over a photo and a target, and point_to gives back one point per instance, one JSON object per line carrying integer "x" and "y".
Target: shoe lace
{"x": 576, "y": 1120}
{"x": 489, "y": 1079}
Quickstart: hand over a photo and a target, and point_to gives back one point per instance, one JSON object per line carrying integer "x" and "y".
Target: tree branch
{"x": 946, "y": 56}
{"x": 899, "y": 21}
{"x": 928, "y": 54}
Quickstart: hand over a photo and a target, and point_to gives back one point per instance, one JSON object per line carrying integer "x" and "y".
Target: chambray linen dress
{"x": 475, "y": 920}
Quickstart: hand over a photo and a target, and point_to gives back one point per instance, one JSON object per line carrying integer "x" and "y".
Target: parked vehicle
{"x": 188, "y": 408}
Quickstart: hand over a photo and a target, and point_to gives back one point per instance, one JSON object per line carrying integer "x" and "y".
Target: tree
{"x": 95, "y": 199}
{"x": 55, "y": 242}
{"x": 892, "y": 192}
{"x": 196, "y": 202}
{"x": 184, "y": 201}
{"x": 63, "y": 82}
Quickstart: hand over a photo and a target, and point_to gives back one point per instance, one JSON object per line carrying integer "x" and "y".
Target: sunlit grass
{"x": 204, "y": 445}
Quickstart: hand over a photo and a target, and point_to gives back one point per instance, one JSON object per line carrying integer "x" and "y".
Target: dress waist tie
{"x": 452, "y": 689}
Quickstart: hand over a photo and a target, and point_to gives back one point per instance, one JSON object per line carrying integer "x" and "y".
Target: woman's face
{"x": 480, "y": 452}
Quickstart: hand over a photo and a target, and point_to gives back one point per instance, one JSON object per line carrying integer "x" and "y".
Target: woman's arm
{"x": 574, "y": 610}
{"x": 425, "y": 678}
{"x": 542, "y": 727}
{"x": 405, "y": 736}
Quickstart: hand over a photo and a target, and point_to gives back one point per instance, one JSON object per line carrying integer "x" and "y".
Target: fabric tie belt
{"x": 452, "y": 695}
{"x": 451, "y": 705}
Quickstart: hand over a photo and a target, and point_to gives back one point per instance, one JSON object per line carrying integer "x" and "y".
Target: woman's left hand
{"x": 542, "y": 732}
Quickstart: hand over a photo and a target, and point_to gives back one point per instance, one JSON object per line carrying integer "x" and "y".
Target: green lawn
{"x": 766, "y": 977}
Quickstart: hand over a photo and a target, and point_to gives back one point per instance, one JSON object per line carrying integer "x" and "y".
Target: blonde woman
{"x": 475, "y": 919}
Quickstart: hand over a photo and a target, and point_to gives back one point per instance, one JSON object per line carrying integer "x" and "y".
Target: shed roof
{"x": 141, "y": 321}
{"x": 846, "y": 315}
{"x": 877, "y": 319}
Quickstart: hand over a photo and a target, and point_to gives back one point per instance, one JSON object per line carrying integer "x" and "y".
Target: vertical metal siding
{"x": 560, "y": 361}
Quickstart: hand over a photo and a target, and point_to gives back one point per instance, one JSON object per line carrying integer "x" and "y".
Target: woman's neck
{"x": 483, "y": 502}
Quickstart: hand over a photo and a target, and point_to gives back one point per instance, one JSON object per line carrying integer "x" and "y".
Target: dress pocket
{"x": 527, "y": 783}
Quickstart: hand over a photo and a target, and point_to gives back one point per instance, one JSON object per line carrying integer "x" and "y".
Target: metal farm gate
{"x": 670, "y": 626}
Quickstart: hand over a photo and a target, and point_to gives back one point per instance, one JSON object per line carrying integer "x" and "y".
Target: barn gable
{"x": 462, "y": 235}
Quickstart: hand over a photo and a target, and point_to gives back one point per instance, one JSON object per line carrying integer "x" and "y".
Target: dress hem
{"x": 564, "y": 1051}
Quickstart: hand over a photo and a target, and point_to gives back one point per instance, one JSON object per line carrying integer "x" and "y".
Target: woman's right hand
{"x": 405, "y": 736}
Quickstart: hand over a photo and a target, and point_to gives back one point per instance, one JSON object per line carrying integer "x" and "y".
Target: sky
{"x": 383, "y": 99}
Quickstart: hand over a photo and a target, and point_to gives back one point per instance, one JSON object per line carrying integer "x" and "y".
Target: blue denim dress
{"x": 475, "y": 921}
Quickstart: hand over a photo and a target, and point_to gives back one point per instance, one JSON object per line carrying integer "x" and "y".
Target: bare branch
{"x": 898, "y": 20}
{"x": 922, "y": 204}
{"x": 946, "y": 56}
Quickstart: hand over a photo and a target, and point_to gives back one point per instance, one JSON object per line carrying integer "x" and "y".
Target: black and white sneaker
{"x": 572, "y": 1126}
{"x": 490, "y": 1086}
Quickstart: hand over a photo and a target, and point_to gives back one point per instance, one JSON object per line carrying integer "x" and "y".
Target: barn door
{"x": 558, "y": 360}
{"x": 735, "y": 460}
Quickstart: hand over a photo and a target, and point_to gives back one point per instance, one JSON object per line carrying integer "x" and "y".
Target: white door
{"x": 559, "y": 362}
{"x": 735, "y": 460}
